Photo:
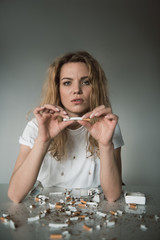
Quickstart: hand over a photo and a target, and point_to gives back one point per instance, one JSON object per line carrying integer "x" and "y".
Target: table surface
{"x": 127, "y": 226}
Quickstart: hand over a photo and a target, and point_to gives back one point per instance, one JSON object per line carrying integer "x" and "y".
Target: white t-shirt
{"x": 79, "y": 170}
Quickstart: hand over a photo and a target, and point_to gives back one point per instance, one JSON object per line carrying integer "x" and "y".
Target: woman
{"x": 75, "y": 153}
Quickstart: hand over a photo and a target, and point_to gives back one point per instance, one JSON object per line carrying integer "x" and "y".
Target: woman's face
{"x": 75, "y": 88}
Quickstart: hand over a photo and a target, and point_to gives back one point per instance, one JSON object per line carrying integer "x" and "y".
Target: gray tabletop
{"x": 127, "y": 222}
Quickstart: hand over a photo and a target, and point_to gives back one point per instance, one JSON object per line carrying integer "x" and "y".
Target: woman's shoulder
{"x": 31, "y": 127}
{"x": 33, "y": 123}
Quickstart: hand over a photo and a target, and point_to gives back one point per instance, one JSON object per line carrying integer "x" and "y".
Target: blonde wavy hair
{"x": 99, "y": 95}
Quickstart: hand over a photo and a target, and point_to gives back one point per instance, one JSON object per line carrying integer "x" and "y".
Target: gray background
{"x": 122, "y": 35}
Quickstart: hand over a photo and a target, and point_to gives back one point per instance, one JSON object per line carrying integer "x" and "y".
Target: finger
{"x": 100, "y": 112}
{"x": 111, "y": 116}
{"x": 55, "y": 108}
{"x": 86, "y": 115}
{"x": 65, "y": 124}
{"x": 38, "y": 110}
{"x": 59, "y": 114}
{"x": 86, "y": 124}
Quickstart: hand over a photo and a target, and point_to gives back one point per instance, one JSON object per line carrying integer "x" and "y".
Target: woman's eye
{"x": 67, "y": 83}
{"x": 86, "y": 82}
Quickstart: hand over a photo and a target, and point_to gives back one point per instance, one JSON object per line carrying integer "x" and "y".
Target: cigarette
{"x": 73, "y": 209}
{"x": 143, "y": 227}
{"x": 76, "y": 213}
{"x": 82, "y": 205}
{"x": 32, "y": 206}
{"x": 119, "y": 212}
{"x": 110, "y": 223}
{"x": 81, "y": 216}
{"x": 2, "y": 219}
{"x": 113, "y": 213}
{"x": 32, "y": 219}
{"x": 89, "y": 229}
{"x": 68, "y": 213}
{"x": 55, "y": 193}
{"x": 37, "y": 199}
{"x": 92, "y": 204}
{"x": 82, "y": 201}
{"x": 133, "y": 206}
{"x": 73, "y": 219}
{"x": 76, "y": 118}
{"x": 58, "y": 225}
{"x": 58, "y": 206}
{"x": 52, "y": 205}
{"x": 56, "y": 236}
{"x": 101, "y": 214}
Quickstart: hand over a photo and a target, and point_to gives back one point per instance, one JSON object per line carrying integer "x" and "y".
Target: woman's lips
{"x": 77, "y": 101}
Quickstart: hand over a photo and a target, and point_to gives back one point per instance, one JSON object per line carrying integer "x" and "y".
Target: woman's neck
{"x": 74, "y": 126}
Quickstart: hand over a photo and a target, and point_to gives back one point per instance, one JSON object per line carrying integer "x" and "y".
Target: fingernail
{"x": 57, "y": 109}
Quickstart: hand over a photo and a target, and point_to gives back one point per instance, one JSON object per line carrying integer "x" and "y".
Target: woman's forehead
{"x": 74, "y": 70}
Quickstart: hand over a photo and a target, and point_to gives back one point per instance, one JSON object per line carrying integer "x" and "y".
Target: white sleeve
{"x": 117, "y": 137}
{"x": 29, "y": 134}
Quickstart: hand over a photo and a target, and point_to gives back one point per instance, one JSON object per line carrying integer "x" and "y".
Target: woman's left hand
{"x": 103, "y": 129}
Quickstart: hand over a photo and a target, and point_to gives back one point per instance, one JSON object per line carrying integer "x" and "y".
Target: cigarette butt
{"x": 48, "y": 210}
{"x": 73, "y": 218}
{"x": 113, "y": 213}
{"x": 32, "y": 206}
{"x": 58, "y": 206}
{"x": 133, "y": 206}
{"x": 37, "y": 199}
{"x": 82, "y": 205}
{"x": 86, "y": 119}
{"x": 81, "y": 216}
{"x": 76, "y": 213}
{"x": 82, "y": 201}
{"x": 56, "y": 236}
{"x": 87, "y": 228}
{"x": 2, "y": 219}
{"x": 68, "y": 199}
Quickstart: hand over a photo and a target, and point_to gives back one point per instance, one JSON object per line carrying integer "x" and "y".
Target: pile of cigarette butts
{"x": 75, "y": 209}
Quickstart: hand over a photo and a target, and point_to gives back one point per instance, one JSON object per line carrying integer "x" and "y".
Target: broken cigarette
{"x": 87, "y": 228}
{"x": 32, "y": 219}
{"x": 82, "y": 205}
{"x": 113, "y": 213}
{"x": 76, "y": 118}
{"x": 110, "y": 223}
{"x": 58, "y": 225}
{"x": 81, "y": 216}
{"x": 82, "y": 201}
{"x": 133, "y": 206}
{"x": 56, "y": 236}
{"x": 143, "y": 227}
{"x": 101, "y": 214}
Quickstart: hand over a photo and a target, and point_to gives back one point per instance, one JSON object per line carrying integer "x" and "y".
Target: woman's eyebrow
{"x": 66, "y": 78}
{"x": 84, "y": 77}
{"x": 69, "y": 78}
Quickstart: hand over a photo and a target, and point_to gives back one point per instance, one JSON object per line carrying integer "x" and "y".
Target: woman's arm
{"x": 110, "y": 160}
{"x": 26, "y": 170}
{"x": 110, "y": 172}
{"x": 29, "y": 160}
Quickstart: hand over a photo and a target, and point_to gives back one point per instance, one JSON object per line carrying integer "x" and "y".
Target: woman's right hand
{"x": 48, "y": 124}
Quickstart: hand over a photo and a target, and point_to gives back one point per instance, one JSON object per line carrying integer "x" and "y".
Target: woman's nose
{"x": 77, "y": 89}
